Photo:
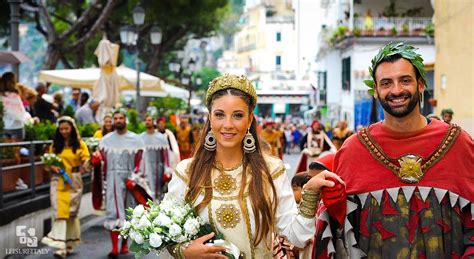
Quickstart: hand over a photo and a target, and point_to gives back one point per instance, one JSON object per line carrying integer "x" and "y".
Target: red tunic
{"x": 389, "y": 218}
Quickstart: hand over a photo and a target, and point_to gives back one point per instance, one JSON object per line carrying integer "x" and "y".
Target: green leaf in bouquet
{"x": 134, "y": 247}
{"x": 146, "y": 245}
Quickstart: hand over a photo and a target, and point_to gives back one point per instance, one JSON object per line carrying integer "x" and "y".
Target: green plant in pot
{"x": 394, "y": 31}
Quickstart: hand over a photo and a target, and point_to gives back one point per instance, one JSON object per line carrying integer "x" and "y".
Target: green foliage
{"x": 338, "y": 34}
{"x": 430, "y": 29}
{"x": 394, "y": 31}
{"x": 207, "y": 74}
{"x": 40, "y": 131}
{"x": 88, "y": 130}
{"x": 68, "y": 111}
{"x": 405, "y": 28}
{"x": 356, "y": 32}
{"x": 168, "y": 105}
{"x": 406, "y": 51}
{"x": 134, "y": 123}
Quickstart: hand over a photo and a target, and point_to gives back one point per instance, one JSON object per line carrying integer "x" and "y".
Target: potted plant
{"x": 405, "y": 29}
{"x": 429, "y": 29}
{"x": 356, "y": 32}
{"x": 394, "y": 31}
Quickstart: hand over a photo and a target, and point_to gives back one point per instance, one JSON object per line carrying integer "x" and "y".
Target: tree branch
{"x": 39, "y": 27}
{"x": 51, "y": 31}
{"x": 175, "y": 37}
{"x": 102, "y": 18}
{"x": 65, "y": 62}
{"x": 62, "y": 19}
{"x": 88, "y": 15}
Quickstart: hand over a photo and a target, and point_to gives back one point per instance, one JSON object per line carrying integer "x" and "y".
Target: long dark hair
{"x": 264, "y": 202}
{"x": 59, "y": 142}
{"x": 8, "y": 83}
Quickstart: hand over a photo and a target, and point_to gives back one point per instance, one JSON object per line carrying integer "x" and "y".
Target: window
{"x": 278, "y": 36}
{"x": 346, "y": 74}
{"x": 278, "y": 62}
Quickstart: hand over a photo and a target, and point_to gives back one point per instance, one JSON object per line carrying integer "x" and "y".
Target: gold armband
{"x": 308, "y": 204}
{"x": 177, "y": 251}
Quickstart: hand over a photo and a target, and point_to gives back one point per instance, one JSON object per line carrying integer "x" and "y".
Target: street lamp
{"x": 14, "y": 23}
{"x": 129, "y": 36}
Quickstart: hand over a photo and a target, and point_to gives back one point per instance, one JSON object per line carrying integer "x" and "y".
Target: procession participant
{"x": 155, "y": 159}
{"x": 272, "y": 137}
{"x": 65, "y": 233}
{"x": 340, "y": 133}
{"x": 447, "y": 115}
{"x": 242, "y": 193}
{"x": 107, "y": 127}
{"x": 184, "y": 135}
{"x": 121, "y": 153}
{"x": 172, "y": 143}
{"x": 408, "y": 179}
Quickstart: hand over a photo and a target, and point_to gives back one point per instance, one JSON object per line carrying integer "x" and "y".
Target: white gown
{"x": 237, "y": 226}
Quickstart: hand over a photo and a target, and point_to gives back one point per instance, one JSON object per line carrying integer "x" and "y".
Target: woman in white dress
{"x": 242, "y": 193}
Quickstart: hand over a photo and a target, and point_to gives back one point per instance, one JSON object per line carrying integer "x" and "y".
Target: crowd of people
{"x": 397, "y": 188}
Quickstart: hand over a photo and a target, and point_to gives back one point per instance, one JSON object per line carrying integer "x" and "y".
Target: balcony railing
{"x": 280, "y": 19}
{"x": 406, "y": 24}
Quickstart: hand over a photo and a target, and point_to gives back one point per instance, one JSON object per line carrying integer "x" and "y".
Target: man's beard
{"x": 149, "y": 126}
{"x": 120, "y": 126}
{"x": 400, "y": 112}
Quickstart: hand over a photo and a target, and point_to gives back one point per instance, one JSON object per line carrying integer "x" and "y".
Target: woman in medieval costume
{"x": 242, "y": 193}
{"x": 66, "y": 197}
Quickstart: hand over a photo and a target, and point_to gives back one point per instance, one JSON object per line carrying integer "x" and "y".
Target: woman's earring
{"x": 210, "y": 144}
{"x": 249, "y": 143}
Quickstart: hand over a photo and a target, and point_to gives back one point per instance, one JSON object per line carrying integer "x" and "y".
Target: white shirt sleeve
{"x": 298, "y": 229}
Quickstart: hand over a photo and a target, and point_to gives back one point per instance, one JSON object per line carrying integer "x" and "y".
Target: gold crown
{"x": 227, "y": 81}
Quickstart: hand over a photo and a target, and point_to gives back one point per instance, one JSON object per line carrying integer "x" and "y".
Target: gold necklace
{"x": 225, "y": 184}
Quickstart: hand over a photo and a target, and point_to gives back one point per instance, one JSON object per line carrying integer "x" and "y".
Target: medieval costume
{"x": 156, "y": 165}
{"x": 340, "y": 134}
{"x": 408, "y": 195}
{"x": 185, "y": 141}
{"x": 226, "y": 215}
{"x": 66, "y": 199}
{"x": 272, "y": 137}
{"x": 121, "y": 155}
{"x": 174, "y": 156}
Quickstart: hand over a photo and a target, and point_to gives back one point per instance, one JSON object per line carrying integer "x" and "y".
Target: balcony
{"x": 280, "y": 19}
{"x": 380, "y": 30}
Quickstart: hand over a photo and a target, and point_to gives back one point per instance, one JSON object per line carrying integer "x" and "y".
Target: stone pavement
{"x": 95, "y": 239}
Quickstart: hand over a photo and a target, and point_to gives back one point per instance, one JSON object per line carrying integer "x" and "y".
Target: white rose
{"x": 174, "y": 230}
{"x": 135, "y": 221}
{"x": 138, "y": 211}
{"x": 144, "y": 222}
{"x": 178, "y": 214}
{"x": 126, "y": 225}
{"x": 162, "y": 220}
{"x": 191, "y": 227}
{"x": 137, "y": 237}
{"x": 155, "y": 240}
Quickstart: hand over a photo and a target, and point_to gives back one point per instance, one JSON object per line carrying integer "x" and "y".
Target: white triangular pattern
{"x": 393, "y": 193}
{"x": 324, "y": 216}
{"x": 377, "y": 195}
{"x": 408, "y": 191}
{"x": 327, "y": 232}
{"x": 351, "y": 206}
{"x": 331, "y": 247}
{"x": 463, "y": 202}
{"x": 347, "y": 225}
{"x": 440, "y": 194}
{"x": 424, "y": 192}
{"x": 352, "y": 239}
{"x": 453, "y": 198}
{"x": 472, "y": 211}
{"x": 363, "y": 198}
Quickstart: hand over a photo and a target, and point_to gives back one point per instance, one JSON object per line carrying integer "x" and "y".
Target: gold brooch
{"x": 228, "y": 215}
{"x": 225, "y": 184}
{"x": 410, "y": 168}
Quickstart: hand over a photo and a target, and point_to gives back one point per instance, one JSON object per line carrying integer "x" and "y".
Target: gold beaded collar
{"x": 411, "y": 167}
{"x": 227, "y": 81}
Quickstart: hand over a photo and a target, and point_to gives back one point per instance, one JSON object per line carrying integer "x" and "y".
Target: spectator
{"x": 297, "y": 183}
{"x": 43, "y": 108}
{"x": 15, "y": 116}
{"x": 84, "y": 99}
{"x": 86, "y": 114}
{"x": 59, "y": 101}
{"x": 106, "y": 128}
{"x": 75, "y": 95}
{"x": 447, "y": 115}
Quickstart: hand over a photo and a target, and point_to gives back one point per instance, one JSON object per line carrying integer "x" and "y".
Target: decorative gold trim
{"x": 181, "y": 176}
{"x": 225, "y": 183}
{"x": 278, "y": 172}
{"x": 249, "y": 228}
{"x": 229, "y": 198}
{"x": 388, "y": 162}
{"x": 227, "y": 81}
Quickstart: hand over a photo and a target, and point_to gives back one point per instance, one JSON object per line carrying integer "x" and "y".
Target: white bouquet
{"x": 168, "y": 223}
{"x": 50, "y": 159}
{"x": 92, "y": 143}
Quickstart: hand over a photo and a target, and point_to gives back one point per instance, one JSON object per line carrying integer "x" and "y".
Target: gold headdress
{"x": 227, "y": 81}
